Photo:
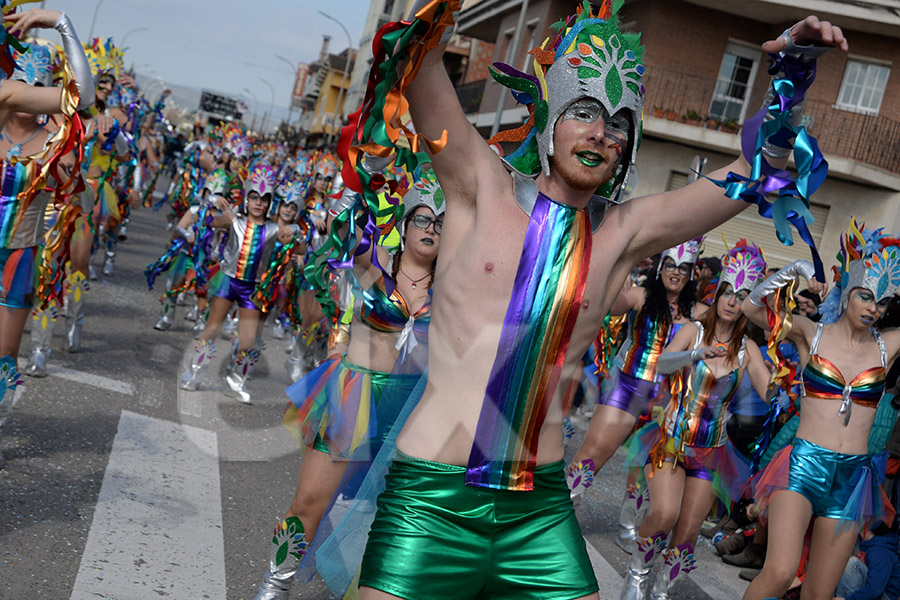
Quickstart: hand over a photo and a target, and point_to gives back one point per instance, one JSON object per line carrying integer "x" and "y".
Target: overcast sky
{"x": 222, "y": 45}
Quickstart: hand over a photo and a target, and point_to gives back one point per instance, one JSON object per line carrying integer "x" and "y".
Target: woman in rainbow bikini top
{"x": 342, "y": 410}
{"x": 826, "y": 476}
{"x": 685, "y": 452}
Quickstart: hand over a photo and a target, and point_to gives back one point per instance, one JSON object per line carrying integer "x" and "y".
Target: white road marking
{"x": 120, "y": 387}
{"x": 607, "y": 577}
{"x": 157, "y": 528}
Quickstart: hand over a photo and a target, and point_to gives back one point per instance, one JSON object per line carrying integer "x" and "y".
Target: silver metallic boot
{"x": 285, "y": 555}
{"x": 204, "y": 351}
{"x": 10, "y": 379}
{"x": 241, "y": 369}
{"x": 166, "y": 315}
{"x": 677, "y": 562}
{"x": 109, "y": 262}
{"x": 637, "y": 574}
{"x": 230, "y": 326}
{"x": 579, "y": 477}
{"x": 42, "y": 321}
{"x": 192, "y": 314}
{"x": 634, "y": 508}
{"x": 78, "y": 287}
{"x": 294, "y": 363}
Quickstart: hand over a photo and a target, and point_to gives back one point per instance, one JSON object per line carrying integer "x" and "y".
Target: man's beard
{"x": 580, "y": 178}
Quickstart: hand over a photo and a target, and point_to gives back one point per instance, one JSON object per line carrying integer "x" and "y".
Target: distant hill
{"x": 188, "y": 99}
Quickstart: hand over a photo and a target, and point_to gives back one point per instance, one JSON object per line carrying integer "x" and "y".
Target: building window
{"x": 862, "y": 88}
{"x": 388, "y": 8}
{"x": 733, "y": 84}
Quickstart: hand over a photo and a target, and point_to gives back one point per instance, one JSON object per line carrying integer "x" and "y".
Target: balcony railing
{"x": 470, "y": 94}
{"x": 869, "y": 139}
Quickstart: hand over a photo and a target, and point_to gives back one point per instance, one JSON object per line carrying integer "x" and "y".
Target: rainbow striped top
{"x": 646, "y": 340}
{"x": 248, "y": 246}
{"x": 21, "y": 219}
{"x": 390, "y": 313}
{"x": 698, "y": 418}
{"x": 822, "y": 379}
{"x": 546, "y": 298}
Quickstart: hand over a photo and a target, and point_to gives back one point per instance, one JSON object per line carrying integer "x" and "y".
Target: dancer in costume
{"x": 656, "y": 311}
{"x": 536, "y": 257}
{"x": 826, "y": 475}
{"x": 345, "y": 406}
{"x": 689, "y": 460}
{"x": 103, "y": 141}
{"x": 251, "y": 239}
{"x": 30, "y": 156}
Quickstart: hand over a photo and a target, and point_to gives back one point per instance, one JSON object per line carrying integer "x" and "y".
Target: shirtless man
{"x": 478, "y": 506}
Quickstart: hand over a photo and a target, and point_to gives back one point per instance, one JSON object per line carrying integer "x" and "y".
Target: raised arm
{"x": 754, "y": 307}
{"x": 662, "y": 220}
{"x": 466, "y": 160}
{"x": 630, "y": 298}
{"x": 16, "y": 96}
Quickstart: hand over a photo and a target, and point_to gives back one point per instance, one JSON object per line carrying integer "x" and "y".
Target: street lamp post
{"x": 255, "y": 108}
{"x": 271, "y": 104}
{"x": 94, "y": 20}
{"x": 291, "y": 99}
{"x": 339, "y": 107}
{"x": 130, "y": 31}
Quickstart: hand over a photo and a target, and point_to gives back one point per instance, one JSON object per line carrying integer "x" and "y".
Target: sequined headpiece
{"x": 589, "y": 57}
{"x": 425, "y": 191}
{"x": 686, "y": 253}
{"x": 261, "y": 180}
{"x": 867, "y": 259}
{"x": 34, "y": 66}
{"x": 104, "y": 59}
{"x": 744, "y": 266}
{"x": 217, "y": 183}
{"x": 291, "y": 193}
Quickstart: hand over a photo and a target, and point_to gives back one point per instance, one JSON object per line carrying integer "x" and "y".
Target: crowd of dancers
{"x": 435, "y": 366}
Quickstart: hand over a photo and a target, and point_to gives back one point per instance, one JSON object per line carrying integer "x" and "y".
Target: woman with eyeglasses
{"x": 826, "y": 477}
{"x": 345, "y": 407}
{"x": 686, "y": 455}
{"x": 656, "y": 311}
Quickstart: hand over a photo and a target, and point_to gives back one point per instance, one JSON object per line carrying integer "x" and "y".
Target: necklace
{"x": 414, "y": 281}
{"x": 16, "y": 149}
{"x": 715, "y": 337}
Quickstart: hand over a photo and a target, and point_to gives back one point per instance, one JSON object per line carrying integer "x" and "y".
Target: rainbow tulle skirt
{"x": 345, "y": 408}
{"x": 723, "y": 466}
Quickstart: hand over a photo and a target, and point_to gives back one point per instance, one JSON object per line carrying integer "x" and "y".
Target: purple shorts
{"x": 236, "y": 290}
{"x": 630, "y": 394}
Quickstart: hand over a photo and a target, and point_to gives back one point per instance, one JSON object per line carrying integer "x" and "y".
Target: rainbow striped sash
{"x": 546, "y": 298}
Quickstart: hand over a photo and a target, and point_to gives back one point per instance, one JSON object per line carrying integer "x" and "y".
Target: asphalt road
{"x": 119, "y": 485}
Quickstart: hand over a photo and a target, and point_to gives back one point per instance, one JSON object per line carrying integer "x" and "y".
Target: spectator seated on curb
{"x": 877, "y": 575}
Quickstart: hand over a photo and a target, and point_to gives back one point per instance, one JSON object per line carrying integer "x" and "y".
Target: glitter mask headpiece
{"x": 217, "y": 183}
{"x": 744, "y": 266}
{"x": 425, "y": 191}
{"x": 291, "y": 193}
{"x": 261, "y": 180}
{"x": 867, "y": 259}
{"x": 686, "y": 253}
{"x": 589, "y": 57}
{"x": 33, "y": 66}
{"x": 104, "y": 59}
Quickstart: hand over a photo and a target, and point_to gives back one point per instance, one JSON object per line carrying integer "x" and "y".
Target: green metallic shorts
{"x": 434, "y": 537}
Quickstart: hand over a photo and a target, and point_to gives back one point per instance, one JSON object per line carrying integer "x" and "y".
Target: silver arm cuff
{"x": 669, "y": 362}
{"x": 798, "y": 268}
{"x": 347, "y": 199}
{"x": 184, "y": 233}
{"x": 84, "y": 80}
{"x": 121, "y": 145}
